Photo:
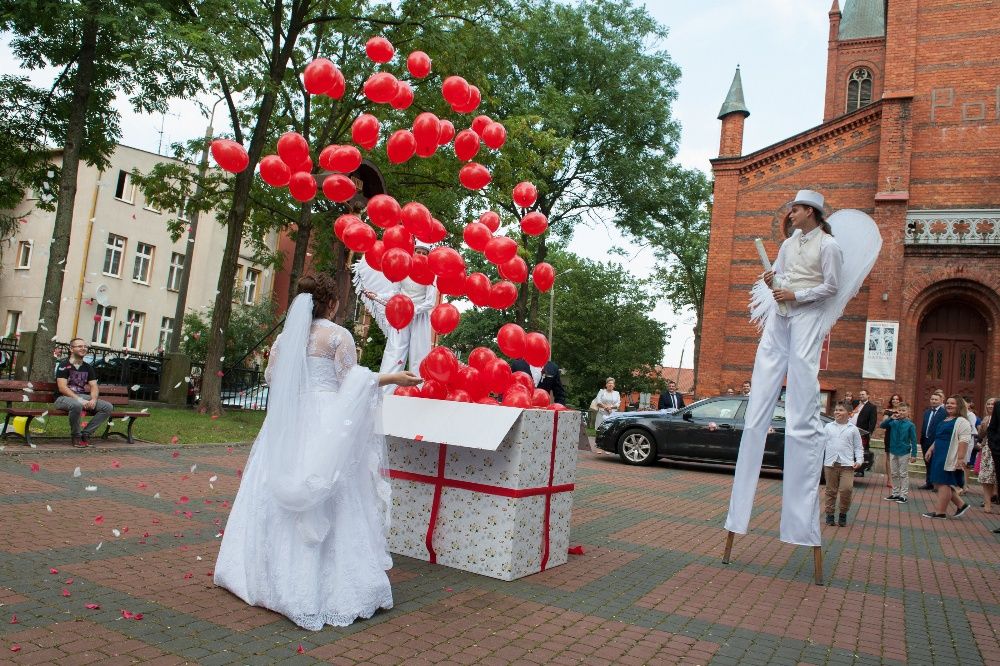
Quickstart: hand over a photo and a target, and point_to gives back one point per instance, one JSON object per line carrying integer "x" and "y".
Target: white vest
{"x": 803, "y": 266}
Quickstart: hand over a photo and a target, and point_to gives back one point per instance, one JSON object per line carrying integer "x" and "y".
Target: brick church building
{"x": 910, "y": 136}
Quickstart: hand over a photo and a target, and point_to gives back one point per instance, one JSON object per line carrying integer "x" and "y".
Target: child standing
{"x": 843, "y": 457}
{"x": 902, "y": 437}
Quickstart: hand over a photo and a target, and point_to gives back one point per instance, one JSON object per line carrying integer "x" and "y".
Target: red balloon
{"x": 359, "y": 237}
{"x": 274, "y": 171}
{"x": 446, "y": 132}
{"x": 302, "y": 186}
{"x": 500, "y": 249}
{"x": 477, "y": 288}
{"x": 439, "y": 364}
{"x": 395, "y": 263}
{"x": 374, "y": 256}
{"x": 420, "y": 272}
{"x": 503, "y": 295}
{"x": 498, "y": 375}
{"x": 495, "y": 135}
{"x": 481, "y": 357}
{"x": 459, "y": 395}
{"x": 466, "y": 145}
{"x": 383, "y": 210}
{"x": 293, "y": 149}
{"x": 452, "y": 284}
{"x": 514, "y": 270}
{"x": 319, "y": 76}
{"x": 472, "y": 381}
{"x": 480, "y": 123}
{"x": 407, "y": 391}
{"x": 426, "y": 130}
{"x": 456, "y": 90}
{"x": 436, "y": 233}
{"x": 556, "y": 407}
{"x": 444, "y": 318}
{"x": 543, "y": 275}
{"x": 324, "y": 157}
{"x": 398, "y": 236}
{"x": 339, "y": 86}
{"x": 404, "y": 96}
{"x": 339, "y": 188}
{"x": 524, "y": 380}
{"x": 416, "y": 218}
{"x": 476, "y": 236}
{"x": 474, "y": 176}
{"x": 345, "y": 159}
{"x": 540, "y": 398}
{"x": 342, "y": 222}
{"x": 379, "y": 49}
{"x": 510, "y": 339}
{"x": 517, "y": 396}
{"x": 474, "y": 99}
{"x": 399, "y": 311}
{"x": 306, "y": 166}
{"x": 230, "y": 155}
{"x": 534, "y": 223}
{"x": 381, "y": 87}
{"x": 491, "y": 220}
{"x": 401, "y": 146}
{"x": 488, "y": 401}
{"x": 445, "y": 261}
{"x": 525, "y": 194}
{"x": 418, "y": 64}
{"x": 536, "y": 349}
{"x": 432, "y": 389}
{"x": 364, "y": 131}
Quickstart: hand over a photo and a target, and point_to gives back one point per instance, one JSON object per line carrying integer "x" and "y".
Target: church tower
{"x": 855, "y": 64}
{"x": 733, "y": 114}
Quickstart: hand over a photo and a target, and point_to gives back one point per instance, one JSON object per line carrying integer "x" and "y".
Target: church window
{"x": 859, "y": 89}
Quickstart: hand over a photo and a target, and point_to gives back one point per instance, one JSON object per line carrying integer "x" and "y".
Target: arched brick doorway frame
{"x": 984, "y": 298}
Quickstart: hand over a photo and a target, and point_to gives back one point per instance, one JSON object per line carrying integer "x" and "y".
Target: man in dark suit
{"x": 547, "y": 378}
{"x": 933, "y": 416}
{"x": 671, "y": 399}
{"x": 867, "y": 421}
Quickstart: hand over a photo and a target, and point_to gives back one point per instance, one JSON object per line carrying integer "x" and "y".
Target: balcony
{"x": 967, "y": 228}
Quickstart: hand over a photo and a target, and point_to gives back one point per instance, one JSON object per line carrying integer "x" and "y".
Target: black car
{"x": 706, "y": 431}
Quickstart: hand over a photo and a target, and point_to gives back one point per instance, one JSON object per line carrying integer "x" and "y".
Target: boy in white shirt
{"x": 843, "y": 455}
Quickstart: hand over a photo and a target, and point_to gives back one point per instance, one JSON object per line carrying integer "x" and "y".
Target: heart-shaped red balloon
{"x": 500, "y": 249}
{"x": 274, "y": 171}
{"x": 420, "y": 271}
{"x": 495, "y": 135}
{"x": 395, "y": 263}
{"x": 510, "y": 339}
{"x": 474, "y": 99}
{"x": 474, "y": 176}
{"x": 444, "y": 318}
{"x": 401, "y": 146}
{"x": 536, "y": 349}
{"x": 230, "y": 155}
{"x": 503, "y": 294}
{"x": 416, "y": 218}
{"x": 523, "y": 379}
{"x": 404, "y": 96}
{"x": 491, "y": 220}
{"x": 534, "y": 223}
{"x": 379, "y": 49}
{"x": 384, "y": 211}
{"x": 364, "y": 131}
{"x": 302, "y": 186}
{"x": 418, "y": 64}
{"x": 342, "y": 222}
{"x": 398, "y": 236}
{"x": 338, "y": 187}
{"x": 293, "y": 149}
{"x": 445, "y": 261}
{"x": 399, "y": 311}
{"x": 466, "y": 145}
{"x": 319, "y": 76}
{"x": 478, "y": 289}
{"x": 514, "y": 269}
{"x": 481, "y": 357}
{"x": 439, "y": 364}
{"x": 359, "y": 237}
{"x": 476, "y": 235}
{"x": 456, "y": 90}
{"x": 525, "y": 194}
{"x": 540, "y": 398}
{"x": 517, "y": 396}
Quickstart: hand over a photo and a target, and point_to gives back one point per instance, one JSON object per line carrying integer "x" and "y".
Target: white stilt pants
{"x": 790, "y": 345}
{"x": 411, "y": 343}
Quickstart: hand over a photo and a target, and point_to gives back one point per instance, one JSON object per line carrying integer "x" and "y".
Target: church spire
{"x": 734, "y": 100}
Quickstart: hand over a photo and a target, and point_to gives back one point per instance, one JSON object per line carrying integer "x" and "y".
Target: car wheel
{"x": 637, "y": 447}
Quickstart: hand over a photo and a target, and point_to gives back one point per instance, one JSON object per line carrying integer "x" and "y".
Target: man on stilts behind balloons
{"x": 796, "y": 305}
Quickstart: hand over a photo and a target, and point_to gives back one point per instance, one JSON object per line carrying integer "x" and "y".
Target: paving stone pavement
{"x": 136, "y": 532}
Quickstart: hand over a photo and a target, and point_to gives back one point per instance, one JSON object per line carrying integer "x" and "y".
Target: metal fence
{"x": 137, "y": 370}
{"x": 9, "y": 353}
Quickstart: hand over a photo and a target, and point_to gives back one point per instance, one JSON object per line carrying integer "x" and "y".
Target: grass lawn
{"x": 162, "y": 425}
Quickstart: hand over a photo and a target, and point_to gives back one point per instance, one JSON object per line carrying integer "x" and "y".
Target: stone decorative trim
{"x": 952, "y": 227}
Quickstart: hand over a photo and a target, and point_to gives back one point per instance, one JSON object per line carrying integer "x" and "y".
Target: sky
{"x": 780, "y": 46}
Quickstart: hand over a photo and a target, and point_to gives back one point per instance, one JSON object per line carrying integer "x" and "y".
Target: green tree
{"x": 246, "y": 333}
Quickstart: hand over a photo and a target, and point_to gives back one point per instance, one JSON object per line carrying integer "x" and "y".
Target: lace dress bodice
{"x": 330, "y": 356}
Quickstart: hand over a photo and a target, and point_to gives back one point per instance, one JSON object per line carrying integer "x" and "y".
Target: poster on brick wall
{"x": 880, "y": 350}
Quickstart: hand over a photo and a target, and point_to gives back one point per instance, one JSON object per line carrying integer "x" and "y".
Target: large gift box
{"x": 481, "y": 488}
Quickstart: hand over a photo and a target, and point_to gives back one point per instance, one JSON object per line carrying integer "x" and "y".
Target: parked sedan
{"x": 251, "y": 398}
{"x": 707, "y": 431}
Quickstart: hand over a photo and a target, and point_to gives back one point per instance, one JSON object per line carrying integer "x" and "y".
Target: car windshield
{"x": 716, "y": 409}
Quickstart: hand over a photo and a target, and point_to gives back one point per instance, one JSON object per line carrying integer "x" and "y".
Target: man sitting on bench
{"x": 77, "y": 380}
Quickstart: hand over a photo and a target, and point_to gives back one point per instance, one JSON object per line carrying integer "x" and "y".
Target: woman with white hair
{"x": 608, "y": 401}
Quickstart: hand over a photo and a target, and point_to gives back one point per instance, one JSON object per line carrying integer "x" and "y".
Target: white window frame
{"x": 13, "y": 324}
{"x": 182, "y": 214}
{"x": 103, "y": 326}
{"x": 111, "y": 248}
{"x": 132, "y": 336}
{"x": 25, "y": 249}
{"x": 166, "y": 330}
{"x": 125, "y": 188}
{"x": 143, "y": 258}
{"x": 251, "y": 286}
{"x": 175, "y": 272}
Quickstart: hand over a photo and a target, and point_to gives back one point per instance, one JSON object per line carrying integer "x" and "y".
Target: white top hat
{"x": 420, "y": 245}
{"x": 809, "y": 198}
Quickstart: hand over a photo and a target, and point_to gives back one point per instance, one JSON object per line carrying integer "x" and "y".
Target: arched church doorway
{"x": 951, "y": 352}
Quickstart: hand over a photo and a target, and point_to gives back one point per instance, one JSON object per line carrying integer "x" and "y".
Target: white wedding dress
{"x": 307, "y": 533}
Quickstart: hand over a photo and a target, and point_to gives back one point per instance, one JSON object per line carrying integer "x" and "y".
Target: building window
{"x": 23, "y": 260}
{"x": 182, "y": 213}
{"x": 176, "y": 269}
{"x": 143, "y": 262}
{"x": 166, "y": 330}
{"x": 13, "y": 326}
{"x": 133, "y": 330}
{"x": 103, "y": 320}
{"x": 859, "y": 89}
{"x": 125, "y": 189}
{"x": 113, "y": 253}
{"x": 250, "y": 286}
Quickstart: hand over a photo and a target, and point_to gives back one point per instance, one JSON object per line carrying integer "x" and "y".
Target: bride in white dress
{"x": 307, "y": 533}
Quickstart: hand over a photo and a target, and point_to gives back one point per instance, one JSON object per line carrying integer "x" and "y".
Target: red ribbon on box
{"x": 440, "y": 482}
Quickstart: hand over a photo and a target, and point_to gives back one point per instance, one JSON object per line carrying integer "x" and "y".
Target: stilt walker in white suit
{"x": 796, "y": 304}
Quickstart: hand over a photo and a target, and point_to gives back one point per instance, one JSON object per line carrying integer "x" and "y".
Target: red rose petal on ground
{"x": 156, "y": 521}
{"x": 141, "y": 486}
{"x": 184, "y": 499}
{"x": 188, "y": 514}
{"x": 576, "y": 550}
{"x": 98, "y": 520}
{"x": 65, "y": 592}
{"x": 126, "y": 614}
{"x": 225, "y": 504}
{"x": 229, "y": 449}
{"x": 145, "y": 535}
{"x": 13, "y": 619}
{"x": 35, "y": 467}
{"x": 68, "y": 581}
{"x": 300, "y": 650}
{"x": 219, "y": 373}
{"x": 15, "y": 648}
{"x": 185, "y": 477}
{"x": 53, "y": 571}
{"x": 174, "y": 440}
{"x": 188, "y": 576}
{"x": 115, "y": 464}
{"x": 92, "y": 606}
{"x": 137, "y": 616}
{"x": 239, "y": 473}
{"x": 125, "y": 528}
{"x": 215, "y": 416}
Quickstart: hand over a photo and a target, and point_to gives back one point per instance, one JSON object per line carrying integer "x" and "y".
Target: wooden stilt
{"x": 729, "y": 547}
{"x": 818, "y": 564}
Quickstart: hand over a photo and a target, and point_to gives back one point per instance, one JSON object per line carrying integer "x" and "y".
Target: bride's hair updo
{"x": 324, "y": 292}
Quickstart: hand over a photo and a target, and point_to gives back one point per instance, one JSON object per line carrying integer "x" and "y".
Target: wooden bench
{"x": 15, "y": 392}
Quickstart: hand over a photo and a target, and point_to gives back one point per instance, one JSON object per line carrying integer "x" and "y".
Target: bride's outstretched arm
{"x": 401, "y": 378}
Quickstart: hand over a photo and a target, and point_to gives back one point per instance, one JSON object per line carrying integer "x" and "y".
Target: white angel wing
{"x": 367, "y": 278}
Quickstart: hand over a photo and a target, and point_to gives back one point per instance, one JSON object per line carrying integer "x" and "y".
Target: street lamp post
{"x": 681, "y": 362}
{"x": 552, "y": 307}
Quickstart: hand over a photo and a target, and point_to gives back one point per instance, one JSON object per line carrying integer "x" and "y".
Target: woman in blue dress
{"x": 946, "y": 458}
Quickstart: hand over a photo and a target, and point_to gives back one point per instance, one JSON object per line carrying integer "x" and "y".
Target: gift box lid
{"x": 464, "y": 424}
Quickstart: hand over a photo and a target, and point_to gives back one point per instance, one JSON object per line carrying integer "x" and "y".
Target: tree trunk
{"x": 345, "y": 293}
{"x": 303, "y": 233}
{"x": 41, "y": 361}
